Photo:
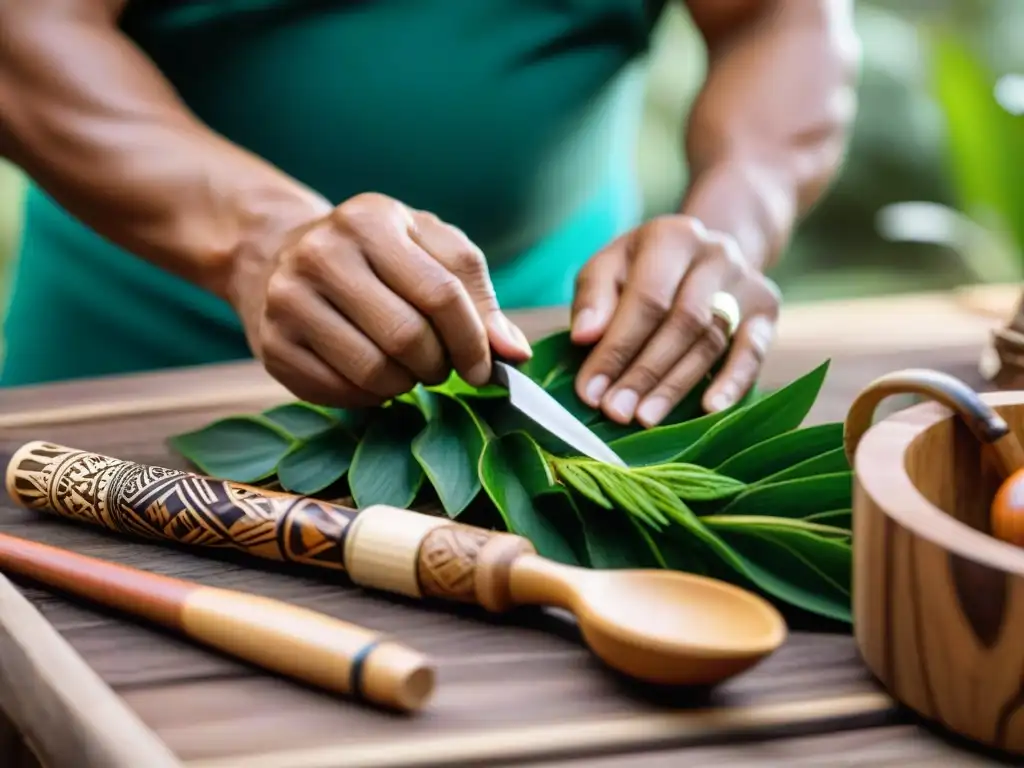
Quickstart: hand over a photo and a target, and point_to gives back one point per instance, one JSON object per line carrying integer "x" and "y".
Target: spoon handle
{"x": 380, "y": 547}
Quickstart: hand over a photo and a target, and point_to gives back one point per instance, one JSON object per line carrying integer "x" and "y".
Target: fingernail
{"x": 624, "y": 403}
{"x": 596, "y": 388}
{"x": 652, "y": 410}
{"x": 507, "y": 330}
{"x": 722, "y": 400}
{"x": 587, "y": 321}
{"x": 479, "y": 374}
{"x": 523, "y": 341}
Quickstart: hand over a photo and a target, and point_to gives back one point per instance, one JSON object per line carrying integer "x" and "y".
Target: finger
{"x": 684, "y": 375}
{"x": 328, "y": 260}
{"x": 685, "y": 325}
{"x": 454, "y": 250}
{"x": 646, "y": 299}
{"x": 308, "y": 377}
{"x": 309, "y": 319}
{"x": 743, "y": 364}
{"x": 598, "y": 286}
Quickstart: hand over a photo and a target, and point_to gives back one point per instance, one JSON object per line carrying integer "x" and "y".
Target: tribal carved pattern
{"x": 168, "y": 504}
{"x": 447, "y": 565}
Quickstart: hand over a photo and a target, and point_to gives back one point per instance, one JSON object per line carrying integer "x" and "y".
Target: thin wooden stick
{"x": 46, "y": 687}
{"x": 277, "y": 636}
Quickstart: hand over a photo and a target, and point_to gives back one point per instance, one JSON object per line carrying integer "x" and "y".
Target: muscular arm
{"x": 768, "y": 131}
{"x": 86, "y": 114}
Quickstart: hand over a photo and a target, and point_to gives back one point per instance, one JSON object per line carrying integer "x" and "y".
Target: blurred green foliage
{"x": 929, "y": 129}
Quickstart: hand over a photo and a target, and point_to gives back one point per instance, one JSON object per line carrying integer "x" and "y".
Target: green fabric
{"x": 517, "y": 120}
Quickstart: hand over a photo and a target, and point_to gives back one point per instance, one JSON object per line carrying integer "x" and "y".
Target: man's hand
{"x": 375, "y": 297}
{"x": 646, "y": 300}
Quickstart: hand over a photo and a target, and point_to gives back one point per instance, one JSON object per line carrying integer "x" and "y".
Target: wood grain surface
{"x": 521, "y": 687}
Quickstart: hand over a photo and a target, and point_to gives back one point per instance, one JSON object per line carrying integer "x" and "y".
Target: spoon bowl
{"x": 663, "y": 627}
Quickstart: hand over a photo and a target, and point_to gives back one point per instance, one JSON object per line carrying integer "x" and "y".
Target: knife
{"x": 534, "y": 402}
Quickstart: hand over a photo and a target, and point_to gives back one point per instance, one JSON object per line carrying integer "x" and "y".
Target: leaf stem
{"x": 749, "y": 521}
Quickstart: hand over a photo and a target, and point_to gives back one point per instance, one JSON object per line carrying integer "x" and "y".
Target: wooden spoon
{"x": 659, "y": 626}
{"x": 991, "y": 430}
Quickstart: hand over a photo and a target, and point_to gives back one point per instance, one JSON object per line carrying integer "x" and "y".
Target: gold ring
{"x": 725, "y": 306}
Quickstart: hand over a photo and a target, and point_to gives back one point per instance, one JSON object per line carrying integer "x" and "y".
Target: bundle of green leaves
{"x": 747, "y": 495}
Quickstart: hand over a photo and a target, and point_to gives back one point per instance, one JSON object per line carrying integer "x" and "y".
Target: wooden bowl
{"x": 938, "y": 602}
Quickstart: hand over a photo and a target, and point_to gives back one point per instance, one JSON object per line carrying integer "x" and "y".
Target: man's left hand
{"x": 646, "y": 301}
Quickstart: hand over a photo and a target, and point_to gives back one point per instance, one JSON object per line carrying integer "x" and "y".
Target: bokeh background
{"x": 932, "y": 194}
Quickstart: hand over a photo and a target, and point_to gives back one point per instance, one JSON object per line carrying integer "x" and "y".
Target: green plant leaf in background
{"x": 985, "y": 143}
{"x": 317, "y": 463}
{"x": 449, "y": 449}
{"x": 384, "y": 470}
{"x": 244, "y": 449}
{"x": 513, "y": 471}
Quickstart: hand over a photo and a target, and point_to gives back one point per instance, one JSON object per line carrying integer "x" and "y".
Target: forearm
{"x": 768, "y": 131}
{"x": 92, "y": 120}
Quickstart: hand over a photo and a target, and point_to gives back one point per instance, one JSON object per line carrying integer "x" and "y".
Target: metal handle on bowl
{"x": 988, "y": 426}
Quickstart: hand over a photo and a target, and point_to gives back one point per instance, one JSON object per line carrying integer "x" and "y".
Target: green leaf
{"x": 840, "y": 518}
{"x": 763, "y": 419}
{"x": 614, "y": 540}
{"x": 455, "y": 386}
{"x": 660, "y": 445}
{"x": 984, "y": 142}
{"x": 828, "y": 463}
{"x": 300, "y": 420}
{"x": 782, "y": 451}
{"x": 815, "y": 570}
{"x": 244, "y": 449}
{"x": 557, "y": 504}
{"x": 317, "y": 463}
{"x": 794, "y": 498}
{"x": 691, "y": 482}
{"x": 449, "y": 449}
{"x": 746, "y": 523}
{"x": 512, "y": 468}
{"x": 383, "y": 470}
{"x": 564, "y": 391}
{"x": 554, "y": 356}
{"x": 579, "y": 479}
{"x": 773, "y": 578}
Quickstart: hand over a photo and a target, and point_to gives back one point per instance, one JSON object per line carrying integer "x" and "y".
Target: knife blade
{"x": 534, "y": 402}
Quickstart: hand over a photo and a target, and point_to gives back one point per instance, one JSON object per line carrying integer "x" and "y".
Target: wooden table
{"x": 522, "y": 694}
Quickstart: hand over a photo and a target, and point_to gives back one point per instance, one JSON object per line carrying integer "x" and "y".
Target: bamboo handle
{"x": 292, "y": 641}
{"x": 987, "y": 425}
{"x": 385, "y": 548}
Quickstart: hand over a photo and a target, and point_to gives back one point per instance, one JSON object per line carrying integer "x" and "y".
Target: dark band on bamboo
{"x": 358, "y": 667}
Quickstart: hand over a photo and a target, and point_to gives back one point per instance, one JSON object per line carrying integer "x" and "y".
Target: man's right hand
{"x": 375, "y": 297}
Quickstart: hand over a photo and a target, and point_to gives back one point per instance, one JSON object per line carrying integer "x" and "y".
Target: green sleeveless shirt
{"x": 516, "y": 120}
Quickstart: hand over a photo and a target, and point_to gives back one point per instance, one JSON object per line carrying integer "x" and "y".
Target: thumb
{"x": 597, "y": 293}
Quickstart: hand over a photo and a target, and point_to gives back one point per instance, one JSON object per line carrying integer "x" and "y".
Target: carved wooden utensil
{"x": 938, "y": 599}
{"x": 659, "y": 626}
{"x": 301, "y": 644}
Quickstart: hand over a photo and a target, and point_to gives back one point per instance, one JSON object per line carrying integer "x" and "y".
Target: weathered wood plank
{"x": 899, "y": 746}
